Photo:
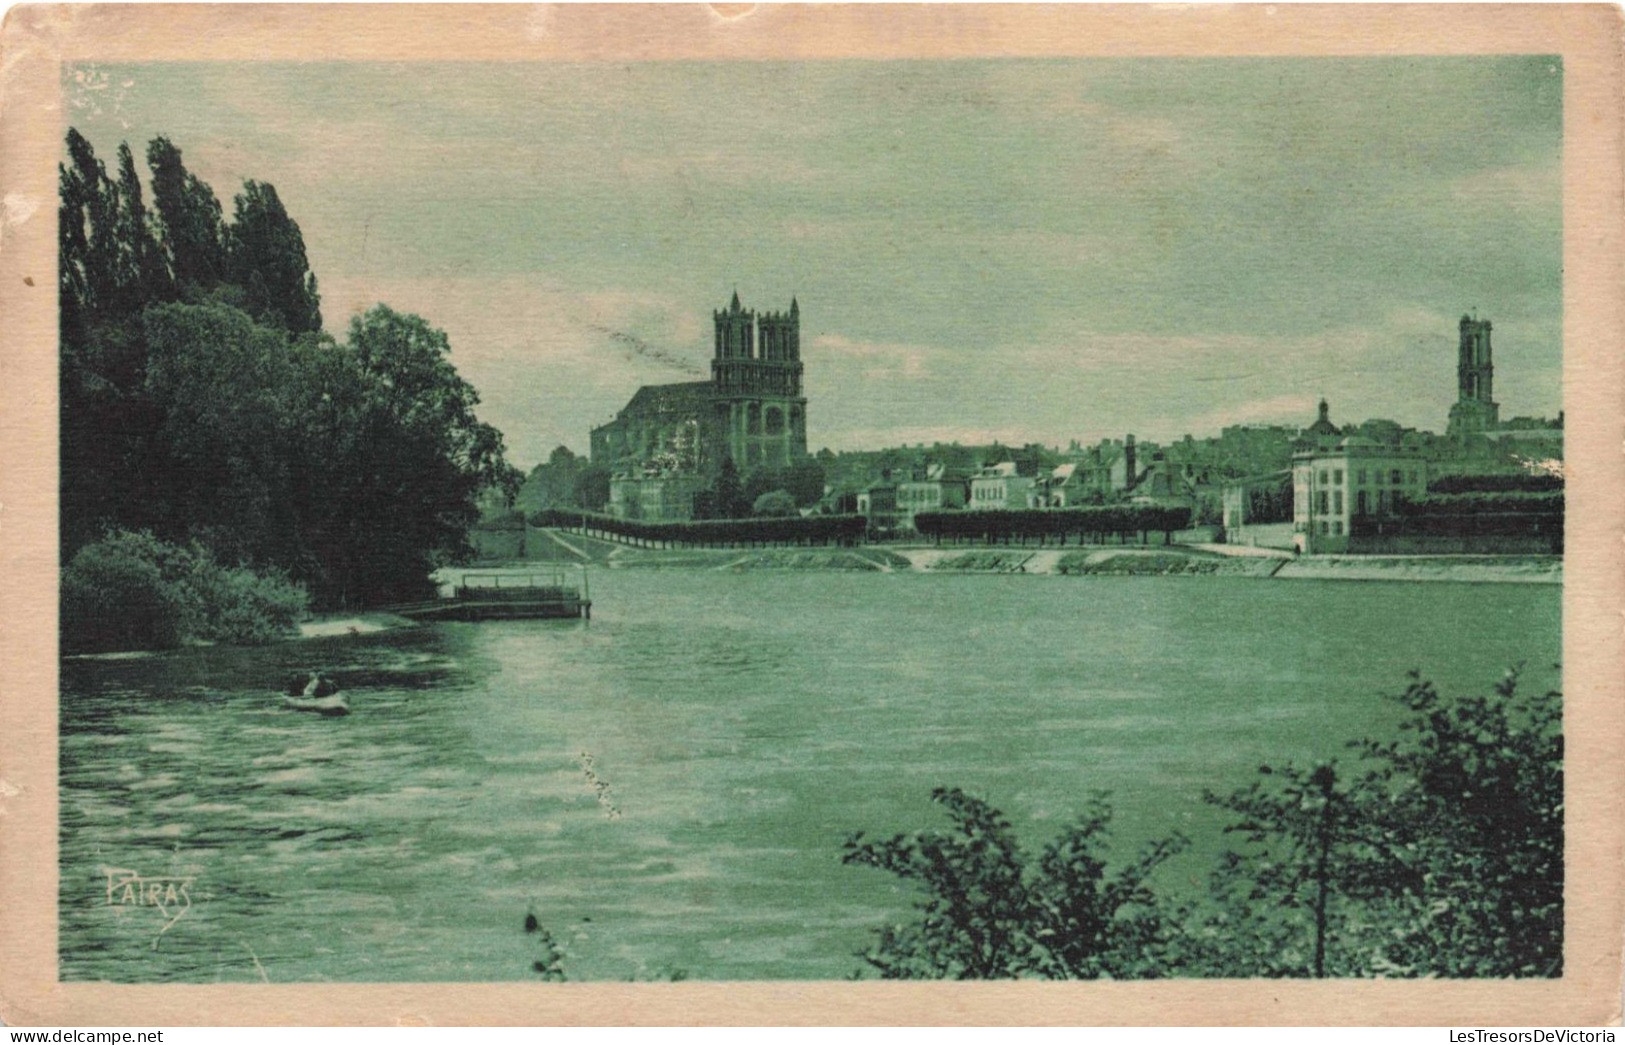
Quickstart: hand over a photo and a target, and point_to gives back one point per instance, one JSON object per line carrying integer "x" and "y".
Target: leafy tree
{"x": 552, "y": 484}
{"x": 220, "y": 387}
{"x": 1442, "y": 855}
{"x": 805, "y": 481}
{"x": 190, "y": 221}
{"x": 761, "y": 481}
{"x": 1474, "y": 791}
{"x": 418, "y": 458}
{"x": 728, "y": 496}
{"x": 142, "y": 276}
{"x": 775, "y": 503}
{"x": 591, "y": 487}
{"x": 1292, "y": 900}
{"x": 267, "y": 259}
{"x": 989, "y": 913}
{"x": 101, "y": 246}
{"x": 87, "y": 235}
{"x": 200, "y": 402}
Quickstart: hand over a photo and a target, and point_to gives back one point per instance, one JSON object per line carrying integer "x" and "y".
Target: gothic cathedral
{"x": 752, "y": 410}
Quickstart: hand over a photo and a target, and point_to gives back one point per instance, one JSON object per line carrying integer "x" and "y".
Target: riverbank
{"x": 1087, "y": 560}
{"x": 324, "y": 626}
{"x": 351, "y": 624}
{"x": 1513, "y": 569}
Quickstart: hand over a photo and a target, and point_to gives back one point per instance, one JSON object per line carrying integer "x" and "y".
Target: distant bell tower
{"x": 1475, "y": 411}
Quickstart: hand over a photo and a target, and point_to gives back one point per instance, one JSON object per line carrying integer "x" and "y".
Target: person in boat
{"x": 319, "y": 686}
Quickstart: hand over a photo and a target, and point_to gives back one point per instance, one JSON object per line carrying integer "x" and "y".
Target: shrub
{"x": 1441, "y": 856}
{"x": 115, "y": 596}
{"x": 1438, "y": 852}
{"x": 1487, "y": 501}
{"x": 1473, "y": 793}
{"x": 243, "y": 607}
{"x": 133, "y": 591}
{"x": 775, "y": 503}
{"x": 989, "y": 912}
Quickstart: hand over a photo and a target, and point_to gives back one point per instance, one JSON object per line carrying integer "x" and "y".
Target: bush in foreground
{"x": 991, "y": 912}
{"x": 130, "y": 590}
{"x": 1437, "y": 852}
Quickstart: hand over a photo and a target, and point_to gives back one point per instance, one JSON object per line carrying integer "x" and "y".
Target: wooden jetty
{"x": 509, "y": 596}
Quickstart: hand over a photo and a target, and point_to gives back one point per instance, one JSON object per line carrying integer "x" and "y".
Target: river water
{"x": 668, "y": 786}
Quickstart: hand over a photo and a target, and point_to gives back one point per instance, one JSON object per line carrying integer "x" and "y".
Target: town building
{"x": 1063, "y": 487}
{"x": 934, "y": 490}
{"x": 1322, "y": 435}
{"x": 674, "y": 437}
{"x": 1335, "y": 492}
{"x": 999, "y": 486}
{"x": 1106, "y": 471}
{"x": 1163, "y": 482}
{"x": 878, "y": 504}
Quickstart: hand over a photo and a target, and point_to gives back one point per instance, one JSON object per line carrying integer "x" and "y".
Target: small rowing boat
{"x": 315, "y": 693}
{"x": 331, "y": 706}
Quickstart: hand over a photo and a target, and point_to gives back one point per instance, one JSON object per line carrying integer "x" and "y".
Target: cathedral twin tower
{"x": 756, "y": 379}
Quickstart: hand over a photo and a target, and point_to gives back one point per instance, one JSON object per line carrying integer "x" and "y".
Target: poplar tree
{"x": 190, "y": 219}
{"x": 267, "y": 259}
{"x": 143, "y": 277}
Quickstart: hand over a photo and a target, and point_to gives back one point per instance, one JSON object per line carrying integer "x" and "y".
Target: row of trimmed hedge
{"x": 814, "y": 529}
{"x": 1466, "y": 524}
{"x": 1448, "y": 484}
{"x": 1057, "y": 523}
{"x": 1541, "y": 502}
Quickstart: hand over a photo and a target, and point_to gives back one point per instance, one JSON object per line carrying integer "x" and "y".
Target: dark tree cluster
{"x": 1437, "y": 852}
{"x": 1269, "y": 504}
{"x": 793, "y": 529}
{"x": 802, "y": 482}
{"x": 1046, "y": 524}
{"x": 201, "y": 401}
{"x": 1451, "y": 484}
{"x": 564, "y": 480}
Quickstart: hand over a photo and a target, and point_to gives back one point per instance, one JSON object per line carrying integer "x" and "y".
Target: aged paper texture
{"x": 996, "y": 464}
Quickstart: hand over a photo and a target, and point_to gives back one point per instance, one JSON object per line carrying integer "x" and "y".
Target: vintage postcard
{"x": 700, "y": 514}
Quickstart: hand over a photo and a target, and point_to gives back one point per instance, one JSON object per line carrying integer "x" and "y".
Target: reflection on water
{"x": 668, "y": 786}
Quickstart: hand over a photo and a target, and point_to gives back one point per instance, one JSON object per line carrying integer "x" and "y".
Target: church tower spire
{"x": 736, "y": 330}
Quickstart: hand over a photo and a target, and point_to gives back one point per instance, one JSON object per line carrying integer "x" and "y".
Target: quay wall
{"x": 1262, "y": 535}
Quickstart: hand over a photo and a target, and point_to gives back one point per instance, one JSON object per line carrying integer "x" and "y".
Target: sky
{"x": 1024, "y": 250}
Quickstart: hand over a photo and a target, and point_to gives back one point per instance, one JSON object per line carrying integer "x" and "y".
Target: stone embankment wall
{"x": 1532, "y": 569}
{"x": 1478, "y": 544}
{"x": 1261, "y": 535}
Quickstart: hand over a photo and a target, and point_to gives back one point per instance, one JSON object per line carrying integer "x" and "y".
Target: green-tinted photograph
{"x": 768, "y": 520}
